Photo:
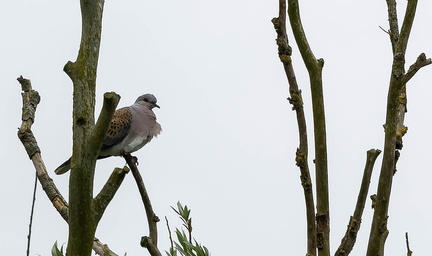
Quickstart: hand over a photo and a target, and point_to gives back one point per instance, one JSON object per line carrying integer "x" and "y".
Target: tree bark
{"x": 314, "y": 67}
{"x": 82, "y": 222}
{"x": 31, "y": 99}
{"x": 284, "y": 51}
{"x": 394, "y": 128}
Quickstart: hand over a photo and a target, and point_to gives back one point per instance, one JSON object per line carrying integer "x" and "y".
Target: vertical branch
{"x": 394, "y": 128}
{"x": 82, "y": 224}
{"x": 314, "y": 67}
{"x": 409, "y": 252}
{"x": 284, "y": 51}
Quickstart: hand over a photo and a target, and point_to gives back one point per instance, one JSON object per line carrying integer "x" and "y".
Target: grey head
{"x": 148, "y": 100}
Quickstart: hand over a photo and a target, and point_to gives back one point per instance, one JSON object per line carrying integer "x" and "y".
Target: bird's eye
{"x": 145, "y": 99}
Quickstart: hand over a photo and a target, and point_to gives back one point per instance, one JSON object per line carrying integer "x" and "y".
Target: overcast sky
{"x": 229, "y": 136}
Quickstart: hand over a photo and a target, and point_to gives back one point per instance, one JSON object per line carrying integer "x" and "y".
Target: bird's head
{"x": 148, "y": 100}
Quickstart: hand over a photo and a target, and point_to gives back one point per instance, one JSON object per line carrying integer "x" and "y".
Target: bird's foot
{"x": 134, "y": 159}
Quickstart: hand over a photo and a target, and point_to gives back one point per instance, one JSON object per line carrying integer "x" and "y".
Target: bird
{"x": 131, "y": 128}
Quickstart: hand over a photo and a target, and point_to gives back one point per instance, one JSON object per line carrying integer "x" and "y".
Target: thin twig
{"x": 31, "y": 216}
{"x": 385, "y": 31}
{"x": 169, "y": 233}
{"x": 149, "y": 242}
{"x": 409, "y": 252}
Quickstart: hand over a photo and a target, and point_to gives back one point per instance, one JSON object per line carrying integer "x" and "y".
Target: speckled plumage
{"x": 130, "y": 129}
{"x": 119, "y": 127}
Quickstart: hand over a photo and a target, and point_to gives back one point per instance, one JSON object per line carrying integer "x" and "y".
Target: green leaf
{"x": 55, "y": 250}
{"x": 183, "y": 246}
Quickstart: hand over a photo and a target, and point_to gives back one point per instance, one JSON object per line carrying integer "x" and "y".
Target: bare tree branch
{"x": 393, "y": 22}
{"x": 353, "y": 227}
{"x": 107, "y": 193}
{"x": 31, "y": 99}
{"x": 420, "y": 62}
{"x": 284, "y": 51}
{"x": 148, "y": 242}
{"x": 394, "y": 126}
{"x": 314, "y": 67}
{"x": 99, "y": 131}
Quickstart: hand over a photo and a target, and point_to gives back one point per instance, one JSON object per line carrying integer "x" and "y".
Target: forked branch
{"x": 394, "y": 125}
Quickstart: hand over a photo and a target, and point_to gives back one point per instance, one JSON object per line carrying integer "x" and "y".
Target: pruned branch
{"x": 149, "y": 242}
{"x": 30, "y": 101}
{"x": 99, "y": 131}
{"x": 353, "y": 227}
{"x": 284, "y": 51}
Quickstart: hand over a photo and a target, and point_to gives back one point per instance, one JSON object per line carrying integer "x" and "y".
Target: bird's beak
{"x": 156, "y": 105}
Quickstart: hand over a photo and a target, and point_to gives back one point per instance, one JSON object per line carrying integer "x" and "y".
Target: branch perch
{"x": 148, "y": 242}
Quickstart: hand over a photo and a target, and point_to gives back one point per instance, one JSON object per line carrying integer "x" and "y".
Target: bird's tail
{"x": 64, "y": 167}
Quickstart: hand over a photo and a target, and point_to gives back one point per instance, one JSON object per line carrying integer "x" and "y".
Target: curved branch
{"x": 30, "y": 101}
{"x": 300, "y": 36}
{"x": 314, "y": 68}
{"x": 148, "y": 242}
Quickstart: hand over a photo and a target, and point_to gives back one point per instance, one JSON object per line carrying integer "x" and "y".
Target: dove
{"x": 131, "y": 128}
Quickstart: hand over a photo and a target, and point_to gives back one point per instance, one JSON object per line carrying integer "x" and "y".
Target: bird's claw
{"x": 135, "y": 160}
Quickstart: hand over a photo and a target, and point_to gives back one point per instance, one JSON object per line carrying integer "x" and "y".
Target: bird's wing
{"x": 119, "y": 127}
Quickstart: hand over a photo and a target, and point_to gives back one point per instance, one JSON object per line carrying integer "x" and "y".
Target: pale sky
{"x": 229, "y": 135}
